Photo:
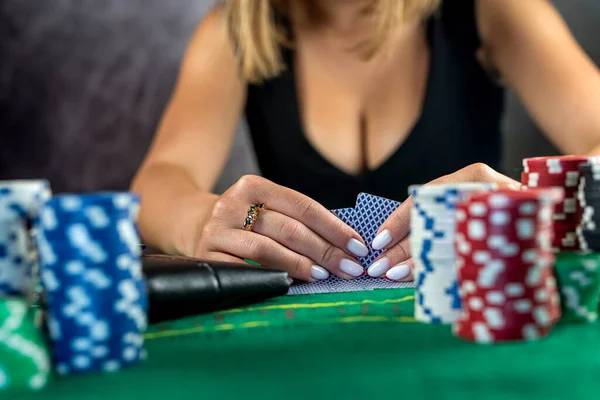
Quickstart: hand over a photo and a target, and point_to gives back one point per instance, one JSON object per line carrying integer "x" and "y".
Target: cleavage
{"x": 354, "y": 114}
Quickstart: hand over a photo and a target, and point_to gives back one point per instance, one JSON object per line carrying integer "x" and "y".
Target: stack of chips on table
{"x": 574, "y": 227}
{"x": 589, "y": 200}
{"x": 85, "y": 251}
{"x": 20, "y": 202}
{"x": 24, "y": 358}
{"x": 578, "y": 273}
{"x": 507, "y": 286}
{"x": 561, "y": 172}
{"x": 91, "y": 272}
{"x": 432, "y": 247}
{"x": 578, "y": 276}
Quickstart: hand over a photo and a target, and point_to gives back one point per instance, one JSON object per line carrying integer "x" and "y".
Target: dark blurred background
{"x": 83, "y": 84}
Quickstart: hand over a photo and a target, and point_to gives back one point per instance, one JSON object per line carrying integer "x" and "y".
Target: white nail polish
{"x": 319, "y": 273}
{"x": 351, "y": 268}
{"x": 399, "y": 272}
{"x": 357, "y": 248}
{"x": 383, "y": 239}
{"x": 379, "y": 267}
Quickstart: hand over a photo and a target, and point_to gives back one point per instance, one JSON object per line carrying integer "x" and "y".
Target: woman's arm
{"x": 530, "y": 44}
{"x": 192, "y": 142}
{"x": 179, "y": 214}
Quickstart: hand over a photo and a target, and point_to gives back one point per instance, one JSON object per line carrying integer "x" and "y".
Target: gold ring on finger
{"x": 252, "y": 216}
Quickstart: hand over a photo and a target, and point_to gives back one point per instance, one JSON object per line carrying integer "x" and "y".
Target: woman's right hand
{"x": 293, "y": 233}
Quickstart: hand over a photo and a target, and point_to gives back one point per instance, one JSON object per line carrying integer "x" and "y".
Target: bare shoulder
{"x": 213, "y": 27}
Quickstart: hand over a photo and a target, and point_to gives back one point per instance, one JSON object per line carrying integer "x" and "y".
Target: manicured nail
{"x": 398, "y": 273}
{"x": 319, "y": 273}
{"x": 379, "y": 267}
{"x": 383, "y": 239}
{"x": 357, "y": 248}
{"x": 351, "y": 268}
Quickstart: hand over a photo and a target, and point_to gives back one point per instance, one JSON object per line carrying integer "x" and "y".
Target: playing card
{"x": 369, "y": 214}
{"x": 345, "y": 214}
{"x": 339, "y": 285}
{"x": 374, "y": 211}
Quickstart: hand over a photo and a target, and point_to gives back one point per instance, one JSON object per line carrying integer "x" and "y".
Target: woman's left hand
{"x": 396, "y": 263}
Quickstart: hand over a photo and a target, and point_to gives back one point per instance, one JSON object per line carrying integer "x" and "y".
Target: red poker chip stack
{"x": 560, "y": 172}
{"x": 504, "y": 259}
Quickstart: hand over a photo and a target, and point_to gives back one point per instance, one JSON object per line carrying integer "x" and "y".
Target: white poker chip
{"x": 443, "y": 189}
{"x": 433, "y": 248}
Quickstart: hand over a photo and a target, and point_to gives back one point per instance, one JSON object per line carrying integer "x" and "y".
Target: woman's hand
{"x": 396, "y": 263}
{"x": 293, "y": 233}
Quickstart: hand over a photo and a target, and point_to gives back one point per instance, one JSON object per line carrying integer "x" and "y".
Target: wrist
{"x": 193, "y": 214}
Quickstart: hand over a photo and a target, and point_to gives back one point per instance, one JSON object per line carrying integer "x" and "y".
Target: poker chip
{"x": 563, "y": 173}
{"x": 23, "y": 198}
{"x": 24, "y": 358}
{"x": 588, "y": 195}
{"x": 554, "y": 165}
{"x": 20, "y": 202}
{"x": 578, "y": 276}
{"x": 504, "y": 261}
{"x": 432, "y": 247}
{"x": 91, "y": 272}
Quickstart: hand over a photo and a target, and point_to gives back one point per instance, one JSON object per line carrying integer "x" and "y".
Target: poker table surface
{"x": 346, "y": 345}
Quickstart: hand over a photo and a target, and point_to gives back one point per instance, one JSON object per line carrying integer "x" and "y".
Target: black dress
{"x": 459, "y": 124}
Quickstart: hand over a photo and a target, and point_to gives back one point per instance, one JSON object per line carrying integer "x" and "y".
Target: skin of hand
{"x": 293, "y": 233}
{"x": 396, "y": 263}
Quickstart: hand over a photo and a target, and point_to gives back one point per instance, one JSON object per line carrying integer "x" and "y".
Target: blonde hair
{"x": 259, "y": 35}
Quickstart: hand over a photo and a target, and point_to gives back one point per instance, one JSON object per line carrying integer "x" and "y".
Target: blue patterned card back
{"x": 346, "y": 215}
{"x": 369, "y": 214}
{"x": 376, "y": 214}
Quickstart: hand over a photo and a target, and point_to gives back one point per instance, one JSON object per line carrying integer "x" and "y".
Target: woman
{"x": 344, "y": 96}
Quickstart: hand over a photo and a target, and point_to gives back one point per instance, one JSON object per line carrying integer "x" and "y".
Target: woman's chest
{"x": 332, "y": 116}
{"x": 356, "y": 113}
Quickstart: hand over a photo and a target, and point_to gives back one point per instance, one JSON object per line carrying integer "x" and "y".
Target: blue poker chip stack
{"x": 91, "y": 272}
{"x": 433, "y": 228}
{"x": 20, "y": 202}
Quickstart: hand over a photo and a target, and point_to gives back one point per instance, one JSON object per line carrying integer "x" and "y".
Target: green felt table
{"x": 351, "y": 345}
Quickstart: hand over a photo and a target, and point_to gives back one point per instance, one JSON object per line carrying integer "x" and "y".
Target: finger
{"x": 266, "y": 252}
{"x": 394, "y": 256}
{"x": 479, "y": 172}
{"x": 397, "y": 226}
{"x": 222, "y": 257}
{"x": 302, "y": 208}
{"x": 402, "y": 272}
{"x": 299, "y": 238}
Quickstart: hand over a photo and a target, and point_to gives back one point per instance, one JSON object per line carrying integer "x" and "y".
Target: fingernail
{"x": 379, "y": 267}
{"x": 383, "y": 239}
{"x": 357, "y": 248}
{"x": 290, "y": 281}
{"x": 351, "y": 268}
{"x": 399, "y": 272}
{"x": 319, "y": 273}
